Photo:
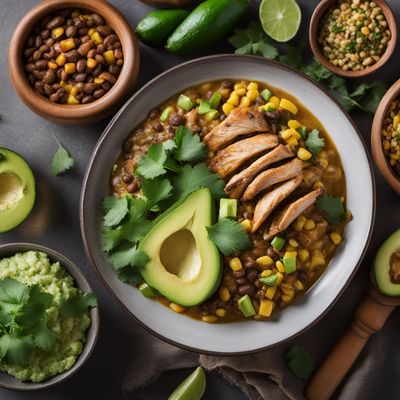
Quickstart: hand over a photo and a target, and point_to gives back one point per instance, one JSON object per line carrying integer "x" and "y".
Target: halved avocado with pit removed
{"x": 185, "y": 265}
{"x": 387, "y": 266}
{"x": 17, "y": 190}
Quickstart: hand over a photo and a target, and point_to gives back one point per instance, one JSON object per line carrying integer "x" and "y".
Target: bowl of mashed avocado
{"x": 49, "y": 321}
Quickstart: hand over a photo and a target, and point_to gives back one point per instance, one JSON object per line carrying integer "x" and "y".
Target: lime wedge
{"x": 192, "y": 388}
{"x": 280, "y": 19}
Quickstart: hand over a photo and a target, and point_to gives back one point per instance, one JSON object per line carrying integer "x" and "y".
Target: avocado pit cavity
{"x": 394, "y": 270}
{"x": 11, "y": 190}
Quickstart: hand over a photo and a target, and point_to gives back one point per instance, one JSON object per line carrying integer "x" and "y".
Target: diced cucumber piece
{"x": 278, "y": 242}
{"x": 227, "y": 208}
{"x": 290, "y": 264}
{"x": 215, "y": 100}
{"x": 185, "y": 102}
{"x": 146, "y": 290}
{"x": 204, "y": 107}
{"x": 269, "y": 280}
{"x": 213, "y": 114}
{"x": 164, "y": 115}
{"x": 246, "y": 306}
{"x": 266, "y": 94}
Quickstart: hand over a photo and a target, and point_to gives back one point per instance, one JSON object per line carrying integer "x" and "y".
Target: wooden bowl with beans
{"x": 73, "y": 61}
{"x": 385, "y": 137}
{"x": 353, "y": 38}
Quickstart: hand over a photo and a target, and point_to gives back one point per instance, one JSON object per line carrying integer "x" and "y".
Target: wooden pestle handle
{"x": 370, "y": 316}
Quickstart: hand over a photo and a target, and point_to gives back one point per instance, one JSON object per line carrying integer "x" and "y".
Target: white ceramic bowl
{"x": 249, "y": 336}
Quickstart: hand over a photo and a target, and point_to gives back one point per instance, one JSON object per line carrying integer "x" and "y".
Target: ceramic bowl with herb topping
{"x": 353, "y": 38}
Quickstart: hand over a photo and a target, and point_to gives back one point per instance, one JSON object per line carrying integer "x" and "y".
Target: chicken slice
{"x": 240, "y": 121}
{"x": 233, "y": 156}
{"x": 270, "y": 200}
{"x": 238, "y": 183}
{"x": 272, "y": 176}
{"x": 291, "y": 212}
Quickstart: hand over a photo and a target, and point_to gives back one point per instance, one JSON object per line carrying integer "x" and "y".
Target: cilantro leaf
{"x": 156, "y": 190}
{"x": 152, "y": 164}
{"x": 314, "y": 142}
{"x": 372, "y": 96}
{"x": 264, "y": 49}
{"x": 299, "y": 361}
{"x": 129, "y": 275}
{"x": 39, "y": 297}
{"x": 77, "y": 304}
{"x": 44, "y": 338}
{"x": 188, "y": 146}
{"x": 169, "y": 144}
{"x": 332, "y": 208}
{"x": 111, "y": 238}
{"x": 62, "y": 161}
{"x": 128, "y": 254}
{"x": 13, "y": 294}
{"x": 228, "y": 236}
{"x": 116, "y": 209}
{"x": 19, "y": 348}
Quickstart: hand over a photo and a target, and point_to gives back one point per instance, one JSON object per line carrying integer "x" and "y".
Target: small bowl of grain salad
{"x": 49, "y": 321}
{"x": 353, "y": 38}
{"x": 385, "y": 136}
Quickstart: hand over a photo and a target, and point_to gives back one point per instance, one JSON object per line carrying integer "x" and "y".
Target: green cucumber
{"x": 207, "y": 23}
{"x": 156, "y": 26}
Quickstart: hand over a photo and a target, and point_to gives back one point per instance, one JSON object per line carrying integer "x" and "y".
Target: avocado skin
{"x": 382, "y": 265}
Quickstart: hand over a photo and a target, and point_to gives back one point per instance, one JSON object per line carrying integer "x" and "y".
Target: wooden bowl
{"x": 318, "y": 14}
{"x": 8, "y": 381}
{"x": 83, "y": 113}
{"x": 381, "y": 160}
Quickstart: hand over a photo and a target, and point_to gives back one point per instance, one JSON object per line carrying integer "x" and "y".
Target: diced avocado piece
{"x": 17, "y": 190}
{"x": 246, "y": 306}
{"x": 266, "y": 94}
{"x": 289, "y": 261}
{"x": 387, "y": 266}
{"x": 185, "y": 102}
{"x": 278, "y": 243}
{"x": 165, "y": 114}
{"x": 184, "y": 265}
{"x": 269, "y": 280}
{"x": 204, "y": 107}
{"x": 146, "y": 290}
{"x": 227, "y": 208}
{"x": 211, "y": 115}
{"x": 215, "y": 100}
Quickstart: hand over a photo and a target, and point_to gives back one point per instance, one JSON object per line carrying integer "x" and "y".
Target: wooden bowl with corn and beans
{"x": 385, "y": 136}
{"x": 73, "y": 61}
{"x": 353, "y": 38}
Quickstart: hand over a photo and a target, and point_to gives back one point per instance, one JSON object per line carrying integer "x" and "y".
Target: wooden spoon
{"x": 370, "y": 316}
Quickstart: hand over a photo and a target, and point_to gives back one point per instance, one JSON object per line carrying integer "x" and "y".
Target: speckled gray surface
{"x": 54, "y": 223}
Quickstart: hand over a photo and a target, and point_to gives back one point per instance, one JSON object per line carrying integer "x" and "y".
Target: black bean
{"x": 108, "y": 77}
{"x": 242, "y": 281}
{"x": 90, "y": 23}
{"x": 175, "y": 119}
{"x": 252, "y": 275}
{"x": 116, "y": 45}
{"x": 55, "y": 97}
{"x": 92, "y": 53}
{"x": 81, "y": 86}
{"x": 87, "y": 99}
{"x": 98, "y": 20}
{"x": 50, "y": 76}
{"x": 45, "y": 34}
{"x": 260, "y": 100}
{"x": 81, "y": 65}
{"x": 64, "y": 75}
{"x": 79, "y": 77}
{"x": 29, "y": 52}
{"x": 43, "y": 48}
{"x": 41, "y": 64}
{"x": 56, "y": 86}
{"x": 110, "y": 39}
{"x": 120, "y": 62}
{"x": 39, "y": 74}
{"x": 100, "y": 59}
{"x": 37, "y": 55}
{"x": 72, "y": 56}
{"x": 250, "y": 263}
{"x": 273, "y": 254}
{"x": 248, "y": 215}
{"x": 79, "y": 96}
{"x": 48, "y": 89}
{"x": 38, "y": 41}
{"x": 85, "y": 38}
{"x": 31, "y": 41}
{"x": 227, "y": 84}
{"x": 97, "y": 70}
{"x": 158, "y": 127}
{"x": 154, "y": 113}
{"x": 90, "y": 88}
{"x": 83, "y": 32}
{"x": 79, "y": 23}
{"x": 133, "y": 187}
{"x": 39, "y": 86}
{"x": 55, "y": 22}
{"x": 239, "y": 273}
{"x": 84, "y": 48}
{"x": 127, "y": 179}
{"x": 71, "y": 31}
{"x": 118, "y": 54}
{"x": 246, "y": 289}
{"x": 70, "y": 22}
{"x": 302, "y": 275}
{"x": 49, "y": 42}
{"x": 114, "y": 69}
{"x": 98, "y": 93}
{"x": 104, "y": 30}
{"x": 57, "y": 47}
{"x": 30, "y": 67}
{"x": 100, "y": 49}
{"x": 260, "y": 294}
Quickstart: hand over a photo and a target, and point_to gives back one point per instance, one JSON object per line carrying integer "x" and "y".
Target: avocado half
{"x": 185, "y": 265}
{"x": 17, "y": 190}
{"x": 386, "y": 261}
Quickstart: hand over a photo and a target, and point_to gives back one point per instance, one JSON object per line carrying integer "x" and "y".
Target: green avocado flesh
{"x": 387, "y": 266}
{"x": 17, "y": 190}
{"x": 185, "y": 265}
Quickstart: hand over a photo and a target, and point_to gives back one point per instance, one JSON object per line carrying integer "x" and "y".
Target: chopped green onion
{"x": 204, "y": 107}
{"x": 246, "y": 306}
{"x": 146, "y": 290}
{"x": 266, "y": 94}
{"x": 215, "y": 100}
{"x": 278, "y": 242}
{"x": 227, "y": 208}
{"x": 213, "y": 114}
{"x": 269, "y": 280}
{"x": 164, "y": 115}
{"x": 185, "y": 102}
{"x": 290, "y": 264}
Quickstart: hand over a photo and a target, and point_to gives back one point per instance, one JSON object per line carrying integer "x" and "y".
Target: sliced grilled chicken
{"x": 270, "y": 200}
{"x": 232, "y": 157}
{"x": 291, "y": 212}
{"x": 240, "y": 121}
{"x": 238, "y": 183}
{"x": 272, "y": 176}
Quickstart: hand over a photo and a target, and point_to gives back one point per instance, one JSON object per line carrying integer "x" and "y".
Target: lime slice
{"x": 192, "y": 388}
{"x": 280, "y": 19}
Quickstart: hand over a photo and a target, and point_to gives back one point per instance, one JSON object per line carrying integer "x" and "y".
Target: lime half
{"x": 192, "y": 388}
{"x": 280, "y": 19}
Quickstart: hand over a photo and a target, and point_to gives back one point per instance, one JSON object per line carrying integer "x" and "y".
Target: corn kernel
{"x": 286, "y": 299}
{"x": 293, "y": 242}
{"x": 264, "y": 261}
{"x": 235, "y": 264}
{"x": 91, "y": 31}
{"x": 67, "y": 44}
{"x": 286, "y": 134}
{"x": 270, "y": 293}
{"x": 239, "y": 86}
{"x": 98, "y": 80}
{"x": 268, "y": 107}
{"x": 233, "y": 99}
{"x": 304, "y": 255}
{"x": 318, "y": 184}
{"x": 209, "y": 318}
{"x": 245, "y": 101}
{"x": 290, "y": 248}
{"x": 289, "y": 106}
{"x": 176, "y": 307}
{"x": 280, "y": 267}
{"x": 57, "y": 32}
{"x": 336, "y": 238}
{"x": 240, "y": 92}
{"x": 294, "y": 124}
{"x": 74, "y": 91}
{"x": 317, "y": 259}
{"x": 275, "y": 101}
{"x": 70, "y": 68}
{"x": 365, "y": 30}
{"x": 292, "y": 141}
{"x": 298, "y": 224}
{"x": 87, "y": 17}
{"x": 96, "y": 37}
{"x": 287, "y": 291}
{"x": 91, "y": 62}
{"x": 227, "y": 108}
{"x": 71, "y": 100}
{"x": 298, "y": 285}
{"x": 280, "y": 277}
{"x": 224, "y": 294}
{"x": 109, "y": 56}
{"x": 396, "y": 121}
{"x": 295, "y": 134}
{"x": 252, "y": 94}
{"x": 304, "y": 154}
{"x": 52, "y": 65}
{"x": 252, "y": 86}
{"x": 266, "y": 307}
{"x": 220, "y": 312}
{"x": 309, "y": 225}
{"x": 247, "y": 225}
{"x": 61, "y": 60}
{"x": 323, "y": 162}
{"x": 67, "y": 87}
{"x": 266, "y": 272}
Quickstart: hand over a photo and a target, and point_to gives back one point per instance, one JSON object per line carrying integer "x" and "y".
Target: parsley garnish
{"x": 188, "y": 146}
{"x": 314, "y": 142}
{"x": 228, "y": 236}
{"x": 61, "y": 161}
{"x": 332, "y": 208}
{"x": 299, "y": 361}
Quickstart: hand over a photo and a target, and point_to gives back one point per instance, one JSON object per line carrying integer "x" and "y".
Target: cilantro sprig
{"x": 314, "y": 142}
{"x": 61, "y": 161}
{"x": 332, "y": 207}
{"x": 299, "y": 361}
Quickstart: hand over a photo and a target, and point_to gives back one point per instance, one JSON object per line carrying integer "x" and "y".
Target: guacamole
{"x": 31, "y": 268}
